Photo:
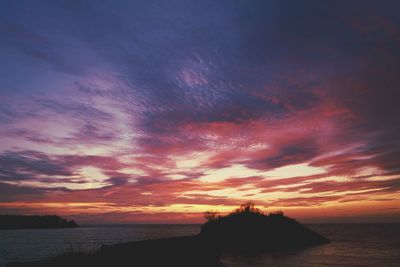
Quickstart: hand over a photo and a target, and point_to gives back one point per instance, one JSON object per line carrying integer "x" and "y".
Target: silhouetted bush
{"x": 248, "y": 207}
{"x": 210, "y": 215}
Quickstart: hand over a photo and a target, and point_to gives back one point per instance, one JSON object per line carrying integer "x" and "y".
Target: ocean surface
{"x": 352, "y": 244}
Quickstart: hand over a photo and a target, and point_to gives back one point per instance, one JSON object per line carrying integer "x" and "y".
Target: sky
{"x": 157, "y": 111}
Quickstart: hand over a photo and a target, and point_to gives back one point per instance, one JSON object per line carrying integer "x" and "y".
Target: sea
{"x": 352, "y": 244}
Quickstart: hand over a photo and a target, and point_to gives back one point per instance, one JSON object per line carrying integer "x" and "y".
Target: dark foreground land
{"x": 34, "y": 222}
{"x": 245, "y": 229}
{"x": 179, "y": 251}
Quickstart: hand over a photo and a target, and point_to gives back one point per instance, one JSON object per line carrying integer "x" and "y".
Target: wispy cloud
{"x": 129, "y": 110}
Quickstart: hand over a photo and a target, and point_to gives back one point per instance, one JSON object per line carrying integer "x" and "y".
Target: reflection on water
{"x": 353, "y": 245}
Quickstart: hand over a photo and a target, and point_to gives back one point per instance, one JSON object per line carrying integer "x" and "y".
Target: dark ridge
{"x": 34, "y": 222}
{"x": 247, "y": 228}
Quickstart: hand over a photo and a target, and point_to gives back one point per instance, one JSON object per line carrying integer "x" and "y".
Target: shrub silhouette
{"x": 248, "y": 207}
{"x": 210, "y": 215}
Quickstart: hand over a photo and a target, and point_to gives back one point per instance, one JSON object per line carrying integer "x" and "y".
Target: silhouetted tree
{"x": 248, "y": 207}
{"x": 211, "y": 215}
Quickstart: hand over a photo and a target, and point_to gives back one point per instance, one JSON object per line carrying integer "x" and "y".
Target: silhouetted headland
{"x": 246, "y": 228}
{"x": 34, "y": 222}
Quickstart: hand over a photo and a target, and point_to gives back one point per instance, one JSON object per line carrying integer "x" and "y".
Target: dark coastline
{"x": 353, "y": 244}
{"x": 186, "y": 251}
{"x": 15, "y": 222}
{"x": 245, "y": 229}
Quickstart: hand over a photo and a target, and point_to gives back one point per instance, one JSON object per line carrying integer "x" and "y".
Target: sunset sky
{"x": 156, "y": 111}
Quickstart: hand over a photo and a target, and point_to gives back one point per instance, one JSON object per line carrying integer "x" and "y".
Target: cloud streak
{"x": 133, "y": 110}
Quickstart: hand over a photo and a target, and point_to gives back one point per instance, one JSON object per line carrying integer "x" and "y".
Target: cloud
{"x": 9, "y": 193}
{"x": 29, "y": 164}
{"x": 159, "y": 105}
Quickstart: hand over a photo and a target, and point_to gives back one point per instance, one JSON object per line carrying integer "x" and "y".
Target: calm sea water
{"x": 353, "y": 244}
